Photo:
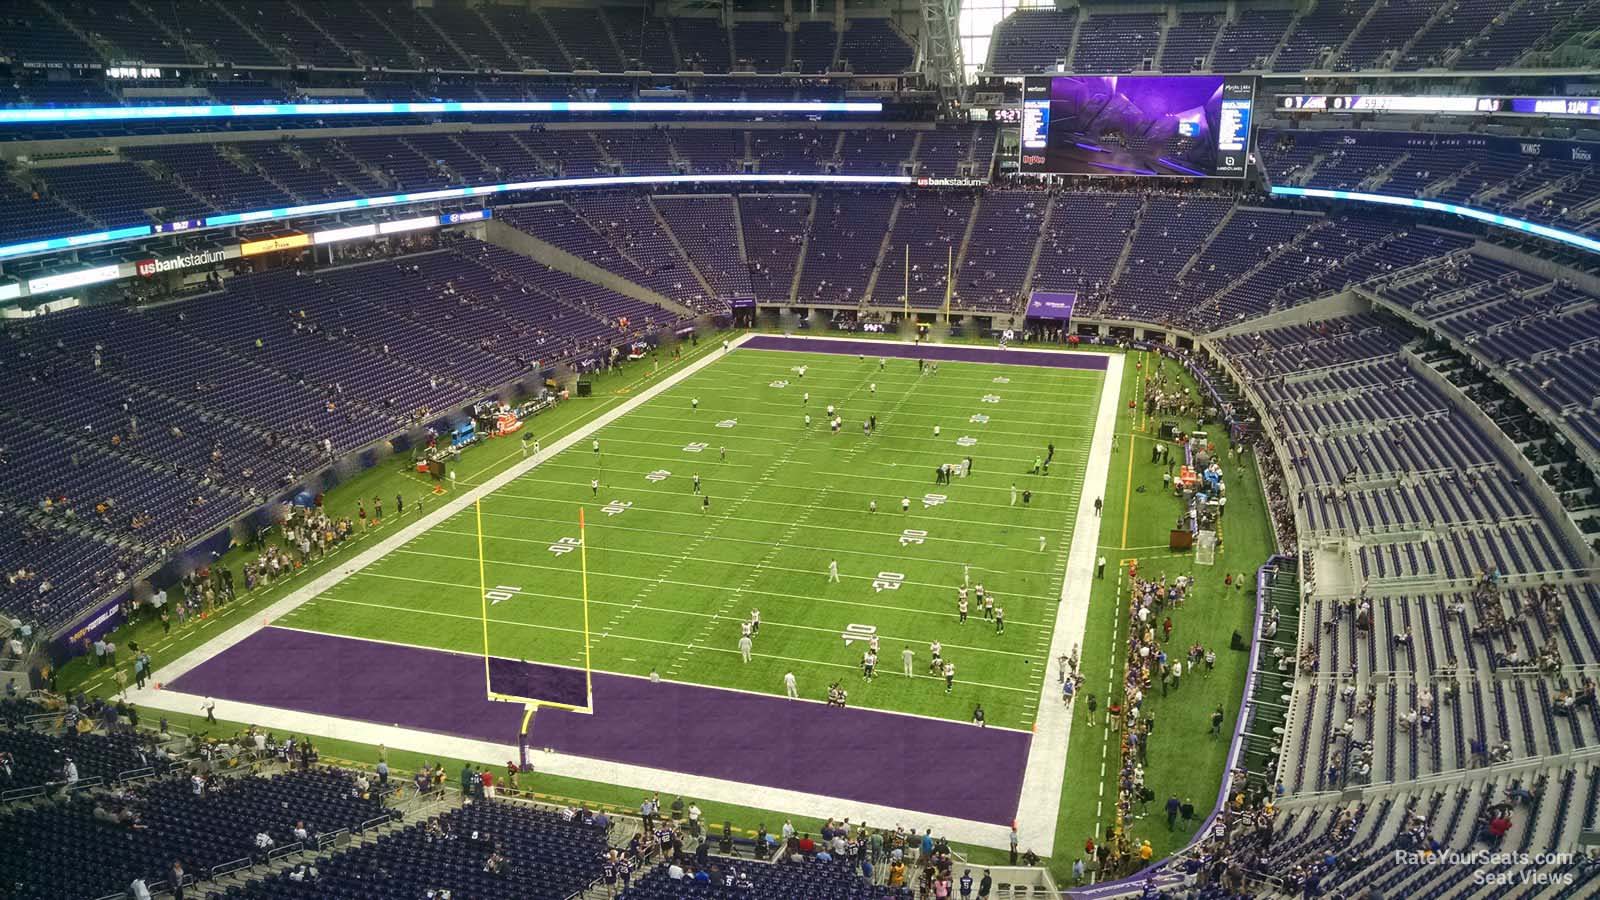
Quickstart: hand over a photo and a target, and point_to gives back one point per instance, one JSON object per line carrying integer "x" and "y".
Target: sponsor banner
{"x": 458, "y": 218}
{"x": 68, "y": 280}
{"x": 1051, "y": 305}
{"x": 99, "y": 623}
{"x": 272, "y": 245}
{"x": 400, "y": 225}
{"x": 1467, "y": 144}
{"x": 335, "y": 235}
{"x": 150, "y": 268}
{"x": 928, "y": 181}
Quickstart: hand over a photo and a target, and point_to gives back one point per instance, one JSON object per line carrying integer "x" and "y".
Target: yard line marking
{"x": 886, "y": 513}
{"x": 993, "y": 464}
{"x": 785, "y": 422}
{"x": 885, "y": 557}
{"x": 1014, "y": 397}
{"x": 959, "y": 375}
{"x": 647, "y": 578}
{"x": 1071, "y": 479}
{"x": 635, "y": 604}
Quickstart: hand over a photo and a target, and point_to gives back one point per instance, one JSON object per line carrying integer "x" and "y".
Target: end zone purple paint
{"x": 942, "y": 352}
{"x": 934, "y": 766}
{"x": 531, "y": 681}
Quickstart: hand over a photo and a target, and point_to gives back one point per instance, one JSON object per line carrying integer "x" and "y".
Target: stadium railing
{"x": 374, "y": 822}
{"x": 332, "y": 839}
{"x": 228, "y": 868}
{"x": 22, "y": 793}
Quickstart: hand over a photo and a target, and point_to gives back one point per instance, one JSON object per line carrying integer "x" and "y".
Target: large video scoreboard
{"x": 1179, "y": 126}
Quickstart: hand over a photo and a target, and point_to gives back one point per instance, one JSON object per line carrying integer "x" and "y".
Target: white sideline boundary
{"x": 397, "y": 539}
{"x": 1043, "y": 778}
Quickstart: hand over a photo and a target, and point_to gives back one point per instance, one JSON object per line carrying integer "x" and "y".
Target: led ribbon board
{"x": 31, "y": 248}
{"x": 1573, "y": 107}
{"x": 1500, "y": 221}
{"x": 60, "y": 115}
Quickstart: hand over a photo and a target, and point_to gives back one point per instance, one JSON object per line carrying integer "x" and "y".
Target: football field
{"x": 673, "y": 571}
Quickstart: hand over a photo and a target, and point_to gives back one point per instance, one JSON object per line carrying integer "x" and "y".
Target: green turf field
{"x": 1184, "y": 759}
{"x": 670, "y": 578}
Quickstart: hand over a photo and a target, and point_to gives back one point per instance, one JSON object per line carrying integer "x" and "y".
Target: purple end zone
{"x": 933, "y": 766}
{"x": 942, "y": 352}
{"x": 531, "y": 681}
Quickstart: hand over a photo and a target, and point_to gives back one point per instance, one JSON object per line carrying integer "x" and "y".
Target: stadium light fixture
{"x": 1523, "y": 225}
{"x": 62, "y": 115}
{"x": 31, "y": 248}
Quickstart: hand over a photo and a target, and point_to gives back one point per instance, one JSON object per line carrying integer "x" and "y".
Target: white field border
{"x": 1042, "y": 780}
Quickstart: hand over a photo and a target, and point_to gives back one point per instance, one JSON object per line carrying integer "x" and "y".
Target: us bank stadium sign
{"x": 926, "y": 181}
{"x": 150, "y": 268}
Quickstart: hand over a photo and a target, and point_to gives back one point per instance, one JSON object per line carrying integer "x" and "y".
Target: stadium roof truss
{"x": 941, "y": 44}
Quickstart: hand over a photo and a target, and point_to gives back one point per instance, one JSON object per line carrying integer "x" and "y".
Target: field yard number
{"x": 991, "y": 398}
{"x": 616, "y": 507}
{"x": 696, "y": 447}
{"x": 912, "y": 536}
{"x": 887, "y": 581}
{"x": 657, "y": 476}
{"x": 966, "y": 441}
{"x": 779, "y": 384}
{"x": 564, "y": 546}
{"x": 979, "y": 419}
{"x": 502, "y": 592}
{"x": 933, "y": 499}
{"x": 727, "y": 423}
{"x": 853, "y": 633}
{"x": 1001, "y": 379}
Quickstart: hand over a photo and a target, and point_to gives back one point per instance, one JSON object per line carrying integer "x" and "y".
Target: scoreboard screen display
{"x": 1178, "y": 126}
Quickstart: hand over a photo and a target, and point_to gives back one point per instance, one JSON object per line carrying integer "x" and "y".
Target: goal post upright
{"x": 583, "y": 567}
{"x": 483, "y": 592}
{"x": 510, "y": 678}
